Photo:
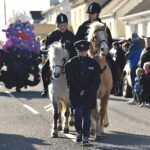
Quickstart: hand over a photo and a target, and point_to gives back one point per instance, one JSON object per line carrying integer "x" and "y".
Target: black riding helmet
{"x": 61, "y": 18}
{"x": 94, "y": 8}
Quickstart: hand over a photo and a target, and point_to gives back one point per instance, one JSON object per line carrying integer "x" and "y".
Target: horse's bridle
{"x": 99, "y": 43}
{"x": 60, "y": 66}
{"x": 98, "y": 51}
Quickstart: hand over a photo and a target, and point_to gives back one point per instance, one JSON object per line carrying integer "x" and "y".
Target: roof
{"x": 79, "y": 2}
{"x": 143, "y": 6}
{"x": 112, "y": 7}
{"x": 36, "y": 15}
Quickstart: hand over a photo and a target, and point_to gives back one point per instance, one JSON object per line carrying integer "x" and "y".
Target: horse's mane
{"x": 56, "y": 49}
{"x": 93, "y": 27}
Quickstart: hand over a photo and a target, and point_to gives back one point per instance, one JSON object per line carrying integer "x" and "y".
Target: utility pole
{"x": 5, "y": 14}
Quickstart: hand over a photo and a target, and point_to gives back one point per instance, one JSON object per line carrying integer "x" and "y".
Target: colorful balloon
{"x": 21, "y": 35}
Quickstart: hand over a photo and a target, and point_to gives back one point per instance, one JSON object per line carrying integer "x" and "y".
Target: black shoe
{"x": 44, "y": 93}
{"x": 79, "y": 137}
{"x": 85, "y": 140}
{"x": 18, "y": 89}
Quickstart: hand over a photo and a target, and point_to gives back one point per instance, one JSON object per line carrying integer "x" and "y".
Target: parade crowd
{"x": 134, "y": 52}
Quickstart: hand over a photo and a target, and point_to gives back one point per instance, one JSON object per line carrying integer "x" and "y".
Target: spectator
{"x": 145, "y": 55}
{"x": 145, "y": 82}
{"x": 137, "y": 86}
{"x": 133, "y": 57}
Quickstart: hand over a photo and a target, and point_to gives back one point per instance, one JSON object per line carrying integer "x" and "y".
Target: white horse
{"x": 58, "y": 91}
{"x": 98, "y": 50}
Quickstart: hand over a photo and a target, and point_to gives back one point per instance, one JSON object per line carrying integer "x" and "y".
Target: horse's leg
{"x": 72, "y": 117}
{"x": 60, "y": 118}
{"x": 67, "y": 113}
{"x": 55, "y": 117}
{"x": 106, "y": 121}
{"x": 97, "y": 131}
{"x": 93, "y": 128}
{"x": 103, "y": 113}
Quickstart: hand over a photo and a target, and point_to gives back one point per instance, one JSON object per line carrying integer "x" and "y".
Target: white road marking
{"x": 11, "y": 95}
{"x": 49, "y": 109}
{"x": 49, "y": 105}
{"x": 24, "y": 105}
{"x": 70, "y": 136}
{"x": 31, "y": 109}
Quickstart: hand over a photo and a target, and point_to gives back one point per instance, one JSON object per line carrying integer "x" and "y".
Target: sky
{"x": 20, "y": 6}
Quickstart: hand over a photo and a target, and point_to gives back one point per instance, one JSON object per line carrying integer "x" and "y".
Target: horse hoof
{"x": 92, "y": 132}
{"x": 60, "y": 128}
{"x": 106, "y": 125}
{"x": 55, "y": 135}
{"x": 71, "y": 123}
{"x": 66, "y": 130}
{"x": 98, "y": 137}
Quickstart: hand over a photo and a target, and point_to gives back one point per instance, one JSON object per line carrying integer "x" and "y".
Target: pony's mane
{"x": 93, "y": 27}
{"x": 56, "y": 49}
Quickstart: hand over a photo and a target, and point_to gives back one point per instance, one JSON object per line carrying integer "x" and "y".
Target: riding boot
{"x": 44, "y": 92}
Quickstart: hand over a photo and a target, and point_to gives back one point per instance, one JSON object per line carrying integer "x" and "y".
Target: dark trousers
{"x": 146, "y": 96}
{"x": 46, "y": 73}
{"x": 82, "y": 120}
{"x": 133, "y": 75}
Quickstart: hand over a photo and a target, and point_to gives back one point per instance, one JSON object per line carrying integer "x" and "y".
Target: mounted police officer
{"x": 93, "y": 10}
{"x": 60, "y": 34}
{"x": 83, "y": 78}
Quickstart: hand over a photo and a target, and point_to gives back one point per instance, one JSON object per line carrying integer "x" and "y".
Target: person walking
{"x": 83, "y": 78}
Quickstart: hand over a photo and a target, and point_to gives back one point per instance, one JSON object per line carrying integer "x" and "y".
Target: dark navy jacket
{"x": 83, "y": 73}
{"x": 66, "y": 37}
{"x": 82, "y": 32}
{"x": 145, "y": 57}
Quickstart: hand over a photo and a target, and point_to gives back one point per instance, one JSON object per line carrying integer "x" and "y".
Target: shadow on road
{"x": 29, "y": 95}
{"x": 18, "y": 142}
{"x": 123, "y": 141}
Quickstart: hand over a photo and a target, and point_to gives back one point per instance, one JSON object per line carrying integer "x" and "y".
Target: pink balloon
{"x": 7, "y": 44}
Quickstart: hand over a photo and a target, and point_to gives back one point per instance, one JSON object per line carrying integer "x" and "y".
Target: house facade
{"x": 138, "y": 19}
{"x": 122, "y": 16}
{"x": 57, "y": 7}
{"x": 78, "y": 11}
{"x": 114, "y": 10}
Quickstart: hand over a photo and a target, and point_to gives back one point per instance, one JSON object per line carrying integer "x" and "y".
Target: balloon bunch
{"x": 21, "y": 35}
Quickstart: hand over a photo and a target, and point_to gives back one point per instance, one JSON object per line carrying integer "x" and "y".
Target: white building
{"x": 138, "y": 19}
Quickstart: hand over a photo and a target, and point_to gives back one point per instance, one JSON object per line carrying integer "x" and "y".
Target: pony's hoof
{"x": 92, "y": 132}
{"x": 66, "y": 130}
{"x": 71, "y": 123}
{"x": 106, "y": 125}
{"x": 60, "y": 128}
{"x": 98, "y": 137}
{"x": 55, "y": 135}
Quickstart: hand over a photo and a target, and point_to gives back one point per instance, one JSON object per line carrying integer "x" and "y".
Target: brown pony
{"x": 98, "y": 50}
